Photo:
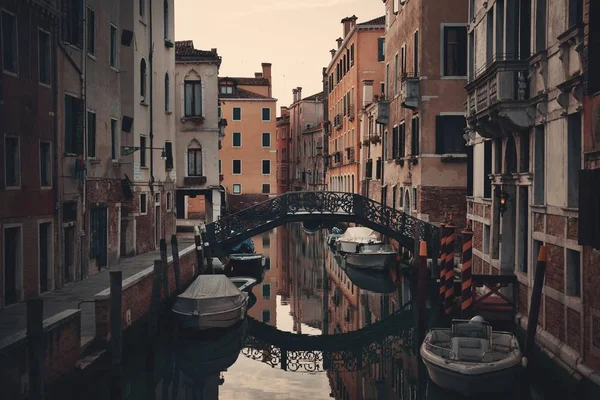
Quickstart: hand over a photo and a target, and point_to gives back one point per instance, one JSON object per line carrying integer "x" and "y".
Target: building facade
{"x": 424, "y": 153}
{"x": 371, "y": 146}
{"x": 248, "y": 152}
{"x": 198, "y": 130}
{"x": 28, "y": 171}
{"x": 283, "y": 139}
{"x": 306, "y": 131}
{"x": 524, "y": 112}
{"x": 357, "y": 57}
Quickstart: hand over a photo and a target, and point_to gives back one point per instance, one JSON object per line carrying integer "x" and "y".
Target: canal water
{"x": 285, "y": 349}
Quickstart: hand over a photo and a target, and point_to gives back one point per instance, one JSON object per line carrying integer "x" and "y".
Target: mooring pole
{"x": 199, "y": 255}
{"x": 175, "y": 252}
{"x": 163, "y": 258}
{"x": 466, "y": 272}
{"x": 422, "y": 313}
{"x": 116, "y": 329}
{"x": 444, "y": 233}
{"x": 449, "y": 304}
{"x": 155, "y": 300}
{"x": 534, "y": 308}
{"x": 35, "y": 345}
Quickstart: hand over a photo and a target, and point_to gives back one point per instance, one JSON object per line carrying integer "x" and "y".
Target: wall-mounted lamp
{"x": 503, "y": 197}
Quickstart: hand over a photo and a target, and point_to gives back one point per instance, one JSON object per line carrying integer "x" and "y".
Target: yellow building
{"x": 247, "y": 158}
{"x": 357, "y": 58}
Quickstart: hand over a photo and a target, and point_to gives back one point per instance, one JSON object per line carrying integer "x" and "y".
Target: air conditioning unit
{"x": 308, "y": 126}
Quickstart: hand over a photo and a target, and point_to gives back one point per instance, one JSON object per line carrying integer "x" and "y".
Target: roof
{"x": 316, "y": 96}
{"x": 239, "y": 93}
{"x": 184, "y": 50}
{"x": 248, "y": 81}
{"x": 375, "y": 21}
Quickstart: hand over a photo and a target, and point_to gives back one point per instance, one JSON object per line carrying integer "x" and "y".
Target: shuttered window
{"x": 589, "y": 208}
{"x": 449, "y": 131}
{"x": 73, "y": 125}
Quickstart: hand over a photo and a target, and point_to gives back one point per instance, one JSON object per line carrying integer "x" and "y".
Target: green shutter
{"x": 439, "y": 134}
{"x": 78, "y": 113}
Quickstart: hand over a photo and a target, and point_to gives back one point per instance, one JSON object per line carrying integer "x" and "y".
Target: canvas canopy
{"x": 209, "y": 294}
{"x": 359, "y": 234}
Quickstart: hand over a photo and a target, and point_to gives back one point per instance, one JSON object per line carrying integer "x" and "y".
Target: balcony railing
{"x": 409, "y": 90}
{"x": 194, "y": 180}
{"x": 350, "y": 111}
{"x": 337, "y": 121}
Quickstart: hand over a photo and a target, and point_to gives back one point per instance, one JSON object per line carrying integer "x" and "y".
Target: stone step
{"x": 88, "y": 360}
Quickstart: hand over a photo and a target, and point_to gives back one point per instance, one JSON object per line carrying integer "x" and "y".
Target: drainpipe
{"x": 55, "y": 174}
{"x": 151, "y": 87}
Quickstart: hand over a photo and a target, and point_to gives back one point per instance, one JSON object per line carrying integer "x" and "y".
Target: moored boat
{"x": 354, "y": 236}
{"x": 377, "y": 257}
{"x": 211, "y": 301}
{"x": 247, "y": 265}
{"x": 243, "y": 283}
{"x": 471, "y": 359}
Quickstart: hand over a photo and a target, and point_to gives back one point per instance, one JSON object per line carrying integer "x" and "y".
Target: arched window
{"x": 510, "y": 156}
{"x": 167, "y": 91}
{"x": 143, "y": 74}
{"x": 166, "y": 18}
{"x": 195, "y": 159}
{"x": 406, "y": 201}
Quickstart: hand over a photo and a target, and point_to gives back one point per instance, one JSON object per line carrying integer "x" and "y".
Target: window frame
{"x": 442, "y": 150}
{"x": 113, "y": 52}
{"x": 198, "y": 166}
{"x": 262, "y": 140}
{"x": 233, "y": 186}
{"x": 49, "y": 165}
{"x": 92, "y": 54}
{"x": 143, "y": 80}
{"x": 167, "y": 97}
{"x": 115, "y": 139}
{"x": 143, "y": 151}
{"x": 192, "y": 83}
{"x": 88, "y": 138}
{"x": 143, "y": 205}
{"x": 266, "y": 296}
{"x": 233, "y": 113}
{"x": 142, "y": 9}
{"x": 444, "y": 26}
{"x": 233, "y": 167}
{"x": 233, "y": 135}
{"x": 262, "y": 114}
{"x": 262, "y": 167}
{"x": 17, "y": 162}
{"x": 48, "y": 61}
{"x": 169, "y": 200}
{"x": 16, "y": 44}
{"x": 268, "y": 185}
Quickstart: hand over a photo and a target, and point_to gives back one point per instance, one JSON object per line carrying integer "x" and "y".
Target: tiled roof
{"x": 185, "y": 49}
{"x": 239, "y": 93}
{"x": 376, "y": 21}
{"x": 249, "y": 81}
{"x": 316, "y": 96}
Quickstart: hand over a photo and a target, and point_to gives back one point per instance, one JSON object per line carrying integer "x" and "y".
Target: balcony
{"x": 337, "y": 121}
{"x": 383, "y": 112}
{"x": 409, "y": 91}
{"x": 350, "y": 111}
{"x": 350, "y": 155}
{"x": 194, "y": 180}
{"x": 498, "y": 98}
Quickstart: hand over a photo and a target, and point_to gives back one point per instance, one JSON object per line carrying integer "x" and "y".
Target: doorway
{"x": 99, "y": 231}
{"x": 13, "y": 254}
{"x": 45, "y": 246}
{"x": 523, "y": 231}
{"x": 69, "y": 250}
{"x": 157, "y": 222}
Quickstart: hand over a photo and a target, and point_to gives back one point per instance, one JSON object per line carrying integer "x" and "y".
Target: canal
{"x": 284, "y": 350}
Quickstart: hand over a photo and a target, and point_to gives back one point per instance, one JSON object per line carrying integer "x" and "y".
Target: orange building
{"x": 356, "y": 59}
{"x": 247, "y": 159}
{"x": 265, "y": 309}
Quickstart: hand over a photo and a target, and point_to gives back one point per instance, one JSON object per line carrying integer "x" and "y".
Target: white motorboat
{"x": 377, "y": 257}
{"x": 471, "y": 359}
{"x": 243, "y": 283}
{"x": 211, "y": 301}
{"x": 354, "y": 236}
{"x": 332, "y": 238}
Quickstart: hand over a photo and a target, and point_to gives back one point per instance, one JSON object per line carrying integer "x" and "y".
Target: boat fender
{"x": 524, "y": 362}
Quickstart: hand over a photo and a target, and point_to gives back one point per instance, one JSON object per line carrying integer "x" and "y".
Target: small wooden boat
{"x": 378, "y": 257}
{"x": 243, "y": 283}
{"x": 246, "y": 265}
{"x": 211, "y": 301}
{"x": 372, "y": 281}
{"x": 354, "y": 236}
{"x": 471, "y": 359}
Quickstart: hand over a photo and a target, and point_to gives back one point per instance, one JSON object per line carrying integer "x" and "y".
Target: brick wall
{"x": 591, "y": 283}
{"x": 137, "y": 293}
{"x": 240, "y": 201}
{"x": 555, "y": 269}
{"x": 62, "y": 338}
{"x": 555, "y": 318}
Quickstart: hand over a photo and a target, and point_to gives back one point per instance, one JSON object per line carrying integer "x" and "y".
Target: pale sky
{"x": 295, "y": 36}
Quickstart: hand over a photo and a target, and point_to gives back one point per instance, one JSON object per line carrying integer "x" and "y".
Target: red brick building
{"x": 28, "y": 149}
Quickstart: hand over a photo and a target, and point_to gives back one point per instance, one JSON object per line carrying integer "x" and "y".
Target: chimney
{"x": 349, "y": 23}
{"x": 299, "y": 93}
{"x": 295, "y": 93}
{"x": 258, "y": 75}
{"x": 214, "y": 50}
{"x": 367, "y": 92}
{"x": 333, "y": 51}
{"x": 339, "y": 41}
{"x": 266, "y": 73}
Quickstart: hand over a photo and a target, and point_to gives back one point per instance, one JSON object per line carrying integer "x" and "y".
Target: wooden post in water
{"x": 175, "y": 252}
{"x": 466, "y": 272}
{"x": 155, "y": 300}
{"x": 449, "y": 303}
{"x": 422, "y": 315}
{"x": 35, "y": 347}
{"x": 444, "y": 233}
{"x": 163, "y": 258}
{"x": 536, "y": 298}
{"x": 199, "y": 253}
{"x": 116, "y": 330}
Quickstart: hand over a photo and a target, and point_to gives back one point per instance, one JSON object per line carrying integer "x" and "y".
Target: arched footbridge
{"x": 289, "y": 207}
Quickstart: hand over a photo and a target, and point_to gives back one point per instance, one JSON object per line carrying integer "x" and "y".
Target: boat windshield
{"x": 474, "y": 330}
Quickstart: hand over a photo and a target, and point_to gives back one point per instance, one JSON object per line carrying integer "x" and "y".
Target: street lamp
{"x": 503, "y": 197}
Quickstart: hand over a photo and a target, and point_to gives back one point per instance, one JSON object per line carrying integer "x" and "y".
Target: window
{"x": 266, "y": 316}
{"x": 266, "y": 167}
{"x": 576, "y": 12}
{"x": 396, "y": 74}
{"x": 195, "y": 161}
{"x": 469, "y": 171}
{"x": 10, "y": 47}
{"x": 142, "y": 8}
{"x": 471, "y": 56}
{"x": 487, "y": 169}
{"x": 143, "y": 151}
{"x": 573, "y": 273}
{"x": 226, "y": 89}
{"x": 380, "y": 49}
{"x": 91, "y": 134}
{"x": 471, "y": 9}
{"x": 489, "y": 40}
{"x": 266, "y": 241}
{"x": 539, "y": 165}
{"x": 266, "y": 291}
{"x": 237, "y": 188}
{"x": 236, "y": 139}
{"x": 284, "y": 154}
{"x": 266, "y": 139}
{"x": 403, "y": 64}
{"x": 449, "y": 132}
{"x": 143, "y": 78}
{"x": 193, "y": 98}
{"x": 416, "y": 53}
{"x": 237, "y": 114}
{"x": 114, "y": 139}
{"x": 455, "y": 51}
{"x": 44, "y": 57}
{"x": 73, "y": 125}
{"x": 573, "y": 159}
{"x": 386, "y": 94}
{"x": 540, "y": 25}
{"x": 267, "y": 263}
{"x": 45, "y": 165}
{"x": 113, "y": 46}
{"x": 12, "y": 158}
{"x": 73, "y": 22}
{"x": 220, "y": 168}
{"x": 169, "y": 201}
{"x": 352, "y": 54}
{"x": 266, "y": 114}
{"x": 91, "y": 31}
{"x": 414, "y": 142}
{"x": 143, "y": 203}
{"x": 167, "y": 88}
{"x": 414, "y": 198}
{"x": 169, "y": 159}
{"x": 166, "y": 18}
{"x": 266, "y": 188}
{"x": 237, "y": 167}
{"x": 486, "y": 238}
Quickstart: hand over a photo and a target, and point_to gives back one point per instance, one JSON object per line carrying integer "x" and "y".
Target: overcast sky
{"x": 295, "y": 36}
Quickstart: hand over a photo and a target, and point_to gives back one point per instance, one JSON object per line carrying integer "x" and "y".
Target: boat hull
{"x": 351, "y": 246}
{"x": 498, "y": 381}
{"x": 252, "y": 267}
{"x": 224, "y": 319}
{"x": 377, "y": 261}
